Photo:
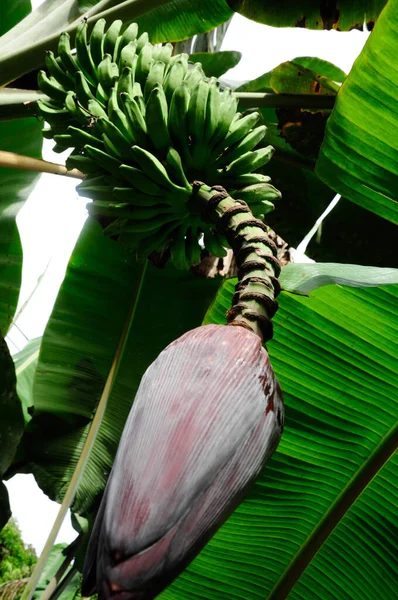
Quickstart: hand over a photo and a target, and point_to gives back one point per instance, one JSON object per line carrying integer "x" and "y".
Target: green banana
{"x": 95, "y": 109}
{"x": 118, "y": 117}
{"x": 184, "y": 58}
{"x": 51, "y": 87}
{"x": 176, "y": 169}
{"x": 196, "y": 123}
{"x": 85, "y": 61}
{"x": 97, "y": 192}
{"x": 257, "y": 193}
{"x": 144, "y": 226}
{"x": 82, "y": 89}
{"x": 81, "y": 138}
{"x": 65, "y": 54}
{"x": 144, "y": 63}
{"x": 140, "y": 181}
{"x": 137, "y": 198}
{"x": 104, "y": 160}
{"x": 63, "y": 140}
{"x": 178, "y": 122}
{"x": 107, "y": 72}
{"x": 153, "y": 168}
{"x": 145, "y": 124}
{"x": 156, "y": 119}
{"x": 136, "y": 120}
{"x": 125, "y": 82}
{"x": 155, "y": 77}
{"x": 166, "y": 50}
{"x": 128, "y": 56}
{"x": 250, "y": 161}
{"x": 227, "y": 112}
{"x": 194, "y": 75}
{"x": 212, "y": 109}
{"x": 129, "y": 35}
{"x": 82, "y": 163}
{"x": 115, "y": 136}
{"x": 250, "y": 179}
{"x": 52, "y": 113}
{"x": 142, "y": 41}
{"x": 156, "y": 241}
{"x": 101, "y": 95}
{"x": 55, "y": 69}
{"x": 252, "y": 139}
{"x": 97, "y": 41}
{"x": 178, "y": 252}
{"x": 240, "y": 128}
{"x": 111, "y": 39}
{"x": 173, "y": 79}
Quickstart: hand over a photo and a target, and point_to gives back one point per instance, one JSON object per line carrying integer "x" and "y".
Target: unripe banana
{"x": 107, "y": 72}
{"x": 86, "y": 63}
{"x": 155, "y": 77}
{"x": 111, "y": 39}
{"x": 144, "y": 63}
{"x": 128, "y": 55}
{"x": 55, "y": 69}
{"x": 126, "y": 82}
{"x": 174, "y": 78}
{"x": 97, "y": 41}
{"x": 145, "y": 124}
{"x": 50, "y": 86}
{"x": 156, "y": 119}
{"x": 252, "y": 139}
{"x": 140, "y": 181}
{"x": 250, "y": 161}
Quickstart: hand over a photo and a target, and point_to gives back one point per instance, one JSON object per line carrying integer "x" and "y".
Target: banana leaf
{"x": 343, "y": 16}
{"x": 359, "y": 155}
{"x": 320, "y": 522}
{"x": 77, "y": 350}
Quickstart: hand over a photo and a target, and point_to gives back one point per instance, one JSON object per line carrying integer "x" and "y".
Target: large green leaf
{"x": 23, "y": 49}
{"x": 23, "y": 137}
{"x": 11, "y": 423}
{"x": 25, "y": 363}
{"x": 359, "y": 155}
{"x": 216, "y": 64}
{"x": 323, "y": 512}
{"x": 305, "y": 197}
{"x": 78, "y": 348}
{"x": 343, "y": 15}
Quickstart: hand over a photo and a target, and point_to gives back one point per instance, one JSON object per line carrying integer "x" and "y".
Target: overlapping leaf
{"x": 323, "y": 511}
{"x": 359, "y": 155}
{"x": 165, "y": 20}
{"x": 343, "y": 15}
{"x": 216, "y": 64}
{"x": 11, "y": 423}
{"x": 78, "y": 348}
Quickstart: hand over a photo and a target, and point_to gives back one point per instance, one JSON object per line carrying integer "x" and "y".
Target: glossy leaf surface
{"x": 344, "y": 15}
{"x": 78, "y": 348}
{"x": 359, "y": 155}
{"x": 335, "y": 355}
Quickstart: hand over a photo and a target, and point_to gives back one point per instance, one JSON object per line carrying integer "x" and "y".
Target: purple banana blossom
{"x": 206, "y": 417}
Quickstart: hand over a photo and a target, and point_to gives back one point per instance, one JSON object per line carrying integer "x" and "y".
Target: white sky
{"x": 52, "y": 217}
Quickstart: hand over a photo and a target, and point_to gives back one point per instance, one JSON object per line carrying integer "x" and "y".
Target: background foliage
{"x": 320, "y": 522}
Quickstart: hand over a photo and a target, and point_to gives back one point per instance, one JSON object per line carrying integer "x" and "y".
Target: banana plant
{"x": 175, "y": 179}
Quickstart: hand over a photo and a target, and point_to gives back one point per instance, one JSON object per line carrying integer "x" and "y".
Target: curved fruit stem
{"x": 253, "y": 304}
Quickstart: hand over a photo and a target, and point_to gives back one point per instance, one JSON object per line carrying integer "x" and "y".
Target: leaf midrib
{"x": 342, "y": 504}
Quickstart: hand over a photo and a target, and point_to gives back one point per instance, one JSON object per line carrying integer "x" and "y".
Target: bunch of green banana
{"x": 143, "y": 125}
